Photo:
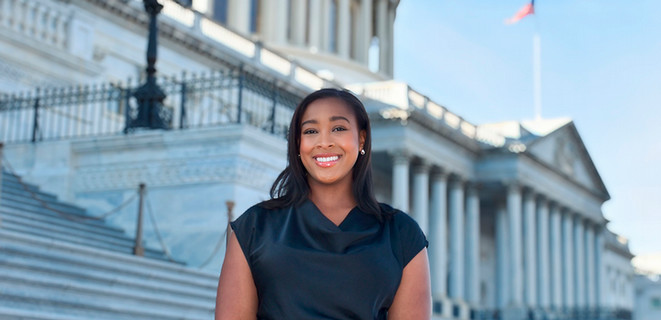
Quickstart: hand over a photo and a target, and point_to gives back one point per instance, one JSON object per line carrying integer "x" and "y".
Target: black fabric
{"x": 306, "y": 267}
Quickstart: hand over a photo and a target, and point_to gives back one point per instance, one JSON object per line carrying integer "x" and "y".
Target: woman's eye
{"x": 339, "y": 129}
{"x": 309, "y": 131}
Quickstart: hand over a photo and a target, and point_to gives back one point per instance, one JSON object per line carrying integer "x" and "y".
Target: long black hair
{"x": 291, "y": 187}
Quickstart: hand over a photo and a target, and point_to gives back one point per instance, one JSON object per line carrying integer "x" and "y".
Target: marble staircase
{"x": 55, "y": 264}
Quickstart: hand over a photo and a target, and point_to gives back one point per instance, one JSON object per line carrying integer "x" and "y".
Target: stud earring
{"x": 362, "y": 152}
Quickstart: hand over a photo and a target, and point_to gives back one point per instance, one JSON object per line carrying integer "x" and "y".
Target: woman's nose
{"x": 325, "y": 140}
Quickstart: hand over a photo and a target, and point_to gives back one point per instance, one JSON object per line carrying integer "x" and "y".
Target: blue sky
{"x": 601, "y": 66}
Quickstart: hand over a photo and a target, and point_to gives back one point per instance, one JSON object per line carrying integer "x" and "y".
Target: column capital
{"x": 456, "y": 179}
{"x": 513, "y": 185}
{"x": 439, "y": 174}
{"x": 400, "y": 155}
{"x": 421, "y": 166}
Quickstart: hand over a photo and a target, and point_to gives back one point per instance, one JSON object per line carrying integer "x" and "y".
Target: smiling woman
{"x": 322, "y": 246}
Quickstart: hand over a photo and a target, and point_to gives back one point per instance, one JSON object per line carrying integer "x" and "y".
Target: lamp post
{"x": 151, "y": 112}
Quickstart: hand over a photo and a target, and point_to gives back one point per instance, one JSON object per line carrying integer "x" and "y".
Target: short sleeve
{"x": 411, "y": 238}
{"x": 244, "y": 228}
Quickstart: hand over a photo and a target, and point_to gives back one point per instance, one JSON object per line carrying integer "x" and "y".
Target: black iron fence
{"x": 194, "y": 100}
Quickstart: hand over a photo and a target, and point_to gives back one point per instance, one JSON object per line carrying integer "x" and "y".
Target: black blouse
{"x": 306, "y": 267}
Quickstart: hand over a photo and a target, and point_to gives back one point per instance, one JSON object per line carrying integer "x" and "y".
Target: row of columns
{"x": 548, "y": 256}
{"x": 453, "y": 206}
{"x": 315, "y": 17}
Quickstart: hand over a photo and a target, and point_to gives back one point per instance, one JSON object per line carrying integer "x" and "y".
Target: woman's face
{"x": 330, "y": 141}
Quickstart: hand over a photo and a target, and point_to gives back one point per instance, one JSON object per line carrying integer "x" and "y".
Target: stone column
{"x": 281, "y": 17}
{"x": 421, "y": 196}
{"x": 343, "y": 28}
{"x": 362, "y": 52}
{"x": 556, "y": 257}
{"x": 314, "y": 24}
{"x": 382, "y": 34}
{"x": 472, "y": 245}
{"x": 567, "y": 260}
{"x": 543, "y": 273}
{"x": 298, "y": 19}
{"x": 599, "y": 267}
{"x": 438, "y": 235}
{"x": 529, "y": 248}
{"x": 502, "y": 258}
{"x": 579, "y": 262}
{"x": 456, "y": 238}
{"x": 238, "y": 15}
{"x": 589, "y": 266}
{"x": 515, "y": 262}
{"x": 324, "y": 19}
{"x": 400, "y": 181}
{"x": 390, "y": 53}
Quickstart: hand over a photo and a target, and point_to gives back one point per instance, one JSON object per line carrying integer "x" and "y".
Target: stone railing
{"x": 252, "y": 50}
{"x": 400, "y": 95}
{"x": 44, "y": 21}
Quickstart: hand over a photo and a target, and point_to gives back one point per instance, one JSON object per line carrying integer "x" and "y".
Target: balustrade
{"x": 44, "y": 21}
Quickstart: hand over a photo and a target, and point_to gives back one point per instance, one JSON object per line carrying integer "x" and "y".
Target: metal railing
{"x": 206, "y": 99}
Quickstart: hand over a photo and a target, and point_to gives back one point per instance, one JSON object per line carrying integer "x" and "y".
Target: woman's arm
{"x": 413, "y": 298}
{"x": 237, "y": 296}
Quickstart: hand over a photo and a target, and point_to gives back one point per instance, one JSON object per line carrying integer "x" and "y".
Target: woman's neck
{"x": 334, "y": 201}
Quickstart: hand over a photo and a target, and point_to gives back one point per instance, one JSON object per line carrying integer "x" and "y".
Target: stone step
{"x": 54, "y": 252}
{"x": 73, "y": 225}
{"x": 30, "y": 282}
{"x": 16, "y": 187}
{"x": 65, "y": 303}
{"x": 7, "y": 313}
{"x": 26, "y": 268}
{"x": 78, "y": 238}
{"x": 39, "y": 210}
{"x": 27, "y": 201}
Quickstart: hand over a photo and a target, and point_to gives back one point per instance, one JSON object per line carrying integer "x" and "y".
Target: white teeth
{"x": 327, "y": 159}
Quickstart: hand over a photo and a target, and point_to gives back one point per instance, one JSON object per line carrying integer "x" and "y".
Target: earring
{"x": 362, "y": 152}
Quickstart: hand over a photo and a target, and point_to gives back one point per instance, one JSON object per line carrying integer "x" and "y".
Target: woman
{"x": 323, "y": 247}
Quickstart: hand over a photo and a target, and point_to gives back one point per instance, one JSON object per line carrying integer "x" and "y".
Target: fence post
{"x": 1, "y": 174}
{"x": 138, "y": 249}
{"x": 127, "y": 106}
{"x": 182, "y": 113}
{"x": 241, "y": 79}
{"x": 275, "y": 104}
{"x": 35, "y": 124}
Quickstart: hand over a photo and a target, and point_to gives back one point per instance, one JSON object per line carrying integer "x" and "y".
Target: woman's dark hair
{"x": 291, "y": 187}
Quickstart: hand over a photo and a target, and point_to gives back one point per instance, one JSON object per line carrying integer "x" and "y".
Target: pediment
{"x": 564, "y": 150}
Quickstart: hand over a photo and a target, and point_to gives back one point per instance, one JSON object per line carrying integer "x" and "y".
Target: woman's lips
{"x": 326, "y": 160}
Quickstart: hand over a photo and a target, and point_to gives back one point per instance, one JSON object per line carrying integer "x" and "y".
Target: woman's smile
{"x": 326, "y": 160}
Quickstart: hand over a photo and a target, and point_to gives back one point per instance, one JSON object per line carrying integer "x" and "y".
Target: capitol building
{"x": 512, "y": 210}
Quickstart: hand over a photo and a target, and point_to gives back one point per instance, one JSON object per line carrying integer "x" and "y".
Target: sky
{"x": 600, "y": 66}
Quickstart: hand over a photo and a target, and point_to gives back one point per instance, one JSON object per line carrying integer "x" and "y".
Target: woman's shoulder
{"x": 258, "y": 214}
{"x": 398, "y": 217}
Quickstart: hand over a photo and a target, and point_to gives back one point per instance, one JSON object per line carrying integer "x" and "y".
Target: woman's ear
{"x": 361, "y": 139}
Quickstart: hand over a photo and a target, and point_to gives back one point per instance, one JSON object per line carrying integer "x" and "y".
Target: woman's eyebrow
{"x": 335, "y": 118}
{"x": 309, "y": 121}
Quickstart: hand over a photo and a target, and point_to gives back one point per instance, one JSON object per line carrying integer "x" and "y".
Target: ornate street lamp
{"x": 151, "y": 112}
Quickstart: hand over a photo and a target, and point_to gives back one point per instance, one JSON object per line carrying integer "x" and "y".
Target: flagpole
{"x": 537, "y": 74}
